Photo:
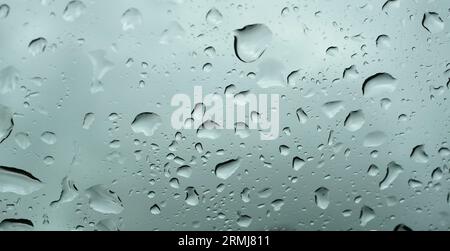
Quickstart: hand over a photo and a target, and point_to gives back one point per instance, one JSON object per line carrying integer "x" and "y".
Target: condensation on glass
{"x": 88, "y": 140}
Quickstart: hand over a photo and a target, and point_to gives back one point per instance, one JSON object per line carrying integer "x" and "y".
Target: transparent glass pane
{"x": 224, "y": 115}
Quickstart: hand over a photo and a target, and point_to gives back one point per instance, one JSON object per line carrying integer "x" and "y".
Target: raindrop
{"x": 251, "y": 42}
{"x": 192, "y": 198}
{"x": 88, "y": 120}
{"x": 146, "y": 123}
{"x": 375, "y": 139}
{"x": 48, "y": 138}
{"x": 214, "y": 17}
{"x": 379, "y": 84}
{"x": 392, "y": 172}
{"x": 6, "y": 123}
{"x": 432, "y": 22}
{"x": 22, "y": 140}
{"x": 419, "y": 155}
{"x": 74, "y": 9}
{"x": 4, "y": 11}
{"x": 37, "y": 46}
{"x": 226, "y": 169}
{"x": 18, "y": 181}
{"x": 354, "y": 121}
{"x": 321, "y": 198}
{"x": 367, "y": 214}
{"x": 131, "y": 19}
{"x": 104, "y": 200}
{"x": 297, "y": 163}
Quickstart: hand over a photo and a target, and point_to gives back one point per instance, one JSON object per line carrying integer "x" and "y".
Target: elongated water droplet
{"x": 392, "y": 172}
{"x": 354, "y": 121}
{"x": 383, "y": 41}
{"x": 332, "y": 108}
{"x": 88, "y": 120}
{"x": 18, "y": 181}
{"x": 6, "y": 123}
{"x": 155, "y": 210}
{"x": 432, "y": 22}
{"x": 184, "y": 171}
{"x": 48, "y": 138}
{"x": 321, "y": 197}
{"x": 251, "y": 42}
{"x": 16, "y": 225}
{"x": 302, "y": 116}
{"x": 209, "y": 130}
{"x": 226, "y": 169}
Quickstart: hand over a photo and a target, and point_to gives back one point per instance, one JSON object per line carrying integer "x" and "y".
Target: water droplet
{"x": 131, "y": 19}
{"x": 419, "y": 155}
{"x": 37, "y": 46}
{"x": 432, "y": 22}
{"x": 9, "y": 76}
{"x": 332, "y": 51}
{"x": 375, "y": 139}
{"x": 297, "y": 163}
{"x": 379, "y": 84}
{"x": 146, "y": 123}
{"x": 74, "y": 9}
{"x": 6, "y": 123}
{"x": 354, "y": 121}
{"x": 184, "y": 171}
{"x": 22, "y": 140}
{"x": 48, "y": 138}
{"x": 18, "y": 181}
{"x": 174, "y": 32}
{"x": 251, "y": 42}
{"x": 68, "y": 192}
{"x": 402, "y": 227}
{"x": 367, "y": 214}
{"x": 302, "y": 116}
{"x": 392, "y": 172}
{"x": 155, "y": 210}
{"x": 101, "y": 66}
{"x": 383, "y": 41}
{"x": 88, "y": 120}
{"x": 321, "y": 197}
{"x": 373, "y": 170}
{"x": 16, "y": 225}
{"x": 332, "y": 108}
{"x": 192, "y": 198}
{"x": 350, "y": 73}
{"x": 244, "y": 221}
{"x": 104, "y": 200}
{"x": 209, "y": 130}
{"x": 277, "y": 205}
{"x": 226, "y": 169}
{"x": 242, "y": 130}
{"x": 4, "y": 11}
{"x": 214, "y": 17}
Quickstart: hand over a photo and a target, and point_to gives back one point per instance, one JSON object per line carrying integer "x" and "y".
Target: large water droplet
{"x": 367, "y": 214}
{"x": 244, "y": 221}
{"x": 22, "y": 140}
{"x": 146, "y": 123}
{"x": 209, "y": 130}
{"x": 419, "y": 155}
{"x": 37, "y": 46}
{"x": 226, "y": 169}
{"x": 297, "y": 163}
{"x": 184, "y": 171}
{"x": 354, "y": 121}
{"x": 48, "y": 138}
{"x": 101, "y": 66}
{"x": 321, "y": 197}
{"x": 68, "y": 192}
{"x": 379, "y": 84}
{"x": 155, "y": 210}
{"x": 131, "y": 19}
{"x": 16, "y": 225}
{"x": 383, "y": 41}
{"x": 4, "y": 11}
{"x": 104, "y": 200}
{"x": 392, "y": 172}
{"x": 192, "y": 198}
{"x": 74, "y": 9}
{"x": 251, "y": 42}
{"x": 432, "y": 22}
{"x": 88, "y": 120}
{"x": 18, "y": 181}
{"x": 375, "y": 139}
{"x": 174, "y": 32}
{"x": 9, "y": 76}
{"x": 6, "y": 123}
{"x": 214, "y": 17}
